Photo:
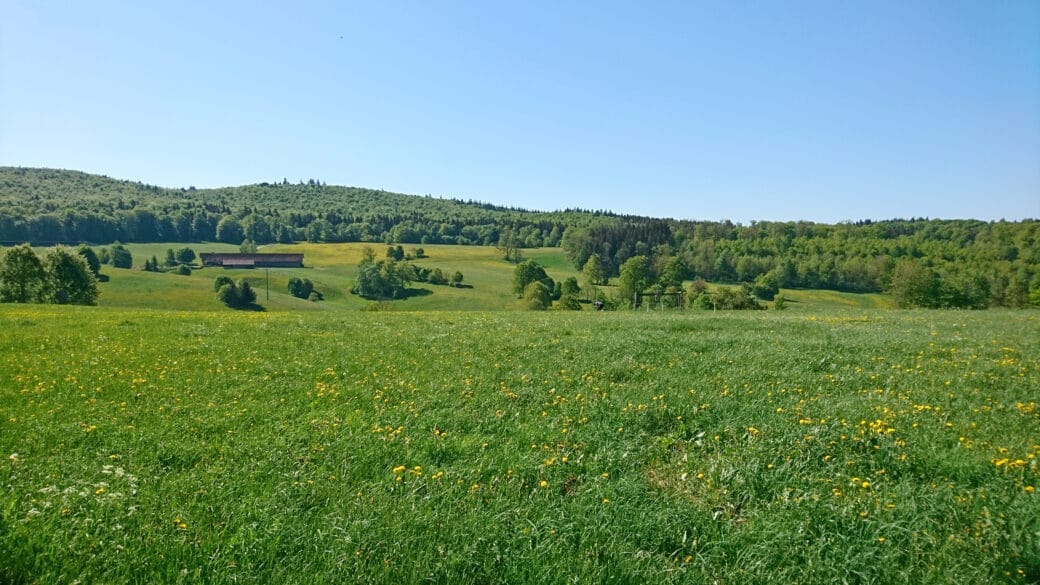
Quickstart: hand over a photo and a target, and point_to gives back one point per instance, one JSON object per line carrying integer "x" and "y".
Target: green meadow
{"x": 161, "y": 437}
{"x": 333, "y": 267}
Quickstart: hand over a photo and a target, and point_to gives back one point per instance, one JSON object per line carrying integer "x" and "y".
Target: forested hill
{"x": 955, "y": 263}
{"x": 47, "y": 205}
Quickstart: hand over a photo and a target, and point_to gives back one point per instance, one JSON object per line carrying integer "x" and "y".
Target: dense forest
{"x": 927, "y": 262}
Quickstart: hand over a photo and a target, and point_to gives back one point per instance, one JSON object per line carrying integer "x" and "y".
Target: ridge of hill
{"x": 952, "y": 263}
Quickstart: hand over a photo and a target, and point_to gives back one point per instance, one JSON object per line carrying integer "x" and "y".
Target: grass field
{"x": 333, "y": 267}
{"x": 855, "y": 445}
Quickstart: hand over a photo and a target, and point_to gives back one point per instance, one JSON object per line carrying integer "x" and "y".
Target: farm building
{"x": 235, "y": 260}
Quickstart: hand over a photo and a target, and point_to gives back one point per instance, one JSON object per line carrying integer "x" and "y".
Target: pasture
{"x": 860, "y": 445}
{"x": 333, "y": 268}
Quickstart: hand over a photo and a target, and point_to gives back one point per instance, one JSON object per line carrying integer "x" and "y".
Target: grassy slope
{"x": 466, "y": 447}
{"x": 332, "y": 268}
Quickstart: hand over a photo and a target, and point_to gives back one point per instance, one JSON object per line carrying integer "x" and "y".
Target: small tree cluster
{"x": 300, "y": 288}
{"x": 151, "y": 265}
{"x": 435, "y": 276}
{"x": 382, "y": 280}
{"x": 529, "y": 273}
{"x": 62, "y": 277}
{"x": 235, "y": 294}
{"x": 725, "y": 298}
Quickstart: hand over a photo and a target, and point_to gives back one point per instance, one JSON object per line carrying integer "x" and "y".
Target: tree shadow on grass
{"x": 414, "y": 292}
{"x": 250, "y": 307}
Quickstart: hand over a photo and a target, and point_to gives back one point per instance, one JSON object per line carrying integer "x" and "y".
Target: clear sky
{"x": 825, "y": 111}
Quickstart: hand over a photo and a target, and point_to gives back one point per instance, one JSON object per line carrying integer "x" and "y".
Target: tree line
{"x": 938, "y": 263}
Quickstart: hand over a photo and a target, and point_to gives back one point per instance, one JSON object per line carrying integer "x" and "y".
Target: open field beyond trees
{"x": 858, "y": 445}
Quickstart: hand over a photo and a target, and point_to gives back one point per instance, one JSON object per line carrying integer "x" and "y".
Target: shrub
{"x": 184, "y": 270}
{"x": 121, "y": 257}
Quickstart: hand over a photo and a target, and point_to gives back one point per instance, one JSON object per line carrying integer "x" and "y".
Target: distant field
{"x": 332, "y": 268}
{"x": 860, "y": 445}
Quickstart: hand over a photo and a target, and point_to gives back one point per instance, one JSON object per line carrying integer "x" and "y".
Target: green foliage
{"x": 183, "y": 270}
{"x": 537, "y": 296}
{"x": 382, "y": 280}
{"x": 221, "y": 281}
{"x": 527, "y": 272}
{"x": 121, "y": 257}
{"x": 91, "y": 258}
{"x": 456, "y": 278}
{"x": 171, "y": 258}
{"x": 70, "y": 278}
{"x": 23, "y": 278}
{"x": 48, "y": 206}
{"x": 301, "y": 288}
{"x": 185, "y": 255}
{"x": 62, "y": 277}
{"x": 779, "y": 303}
{"x": 593, "y": 271}
{"x": 436, "y": 276}
{"x": 567, "y": 303}
{"x": 766, "y": 286}
{"x": 509, "y": 244}
{"x": 247, "y": 247}
{"x": 635, "y": 277}
{"x": 570, "y": 287}
{"x": 237, "y": 295}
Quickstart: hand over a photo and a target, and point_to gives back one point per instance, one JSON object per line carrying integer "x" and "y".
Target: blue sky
{"x": 824, "y": 111}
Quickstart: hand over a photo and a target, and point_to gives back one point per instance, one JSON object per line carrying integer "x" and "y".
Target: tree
{"x": 185, "y": 255}
{"x": 635, "y": 277}
{"x": 23, "y": 278}
{"x": 229, "y": 230}
{"x": 674, "y": 272}
{"x": 914, "y": 285}
{"x": 537, "y": 296}
{"x": 527, "y": 272}
{"x": 300, "y": 287}
{"x": 184, "y": 270}
{"x": 766, "y": 286}
{"x": 237, "y": 295}
{"x": 570, "y": 287}
{"x": 92, "y": 260}
{"x": 594, "y": 271}
{"x": 509, "y": 245}
{"x": 121, "y": 257}
{"x": 456, "y": 279}
{"x": 220, "y": 282}
{"x": 171, "y": 259}
{"x": 247, "y": 247}
{"x": 382, "y": 280}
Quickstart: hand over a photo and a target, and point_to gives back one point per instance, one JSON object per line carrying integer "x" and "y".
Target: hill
{"x": 934, "y": 263}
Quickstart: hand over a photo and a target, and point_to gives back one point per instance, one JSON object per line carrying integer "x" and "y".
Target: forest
{"x": 924, "y": 262}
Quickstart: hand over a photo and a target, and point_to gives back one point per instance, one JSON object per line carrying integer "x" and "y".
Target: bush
{"x": 300, "y": 288}
{"x": 184, "y": 270}
{"x": 537, "y": 296}
{"x": 220, "y": 282}
{"x": 237, "y": 295}
{"x": 121, "y": 257}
